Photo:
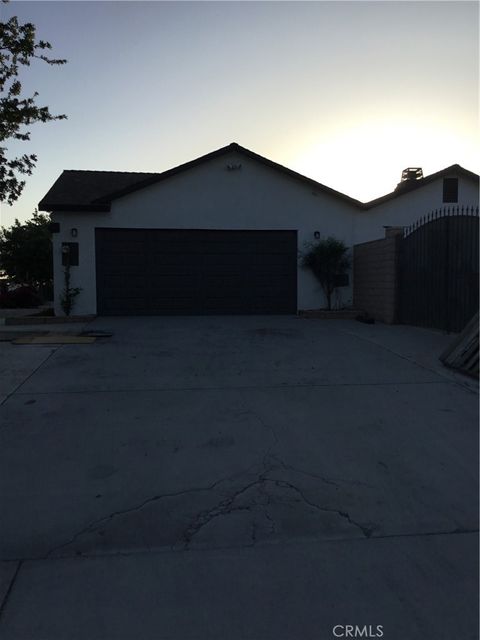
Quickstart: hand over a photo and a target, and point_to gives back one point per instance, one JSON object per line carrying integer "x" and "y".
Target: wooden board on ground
{"x": 463, "y": 353}
{"x": 10, "y": 336}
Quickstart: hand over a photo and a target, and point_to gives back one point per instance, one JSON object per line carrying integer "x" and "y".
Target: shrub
{"x": 26, "y": 251}
{"x": 328, "y": 260}
{"x": 20, "y": 298}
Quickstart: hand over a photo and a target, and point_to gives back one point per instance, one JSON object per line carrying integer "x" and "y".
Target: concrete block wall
{"x": 375, "y": 276}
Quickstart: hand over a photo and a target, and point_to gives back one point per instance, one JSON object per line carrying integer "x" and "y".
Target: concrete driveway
{"x": 238, "y": 477}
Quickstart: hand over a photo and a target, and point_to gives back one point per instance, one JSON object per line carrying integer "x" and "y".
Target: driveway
{"x": 240, "y": 477}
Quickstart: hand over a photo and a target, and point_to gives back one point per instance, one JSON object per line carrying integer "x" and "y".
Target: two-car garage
{"x": 179, "y": 271}
{"x": 221, "y": 234}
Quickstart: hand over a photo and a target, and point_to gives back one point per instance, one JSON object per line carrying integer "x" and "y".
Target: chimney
{"x": 410, "y": 175}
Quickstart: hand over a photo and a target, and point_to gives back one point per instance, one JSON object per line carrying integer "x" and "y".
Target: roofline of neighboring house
{"x": 103, "y": 203}
{"x": 415, "y": 184}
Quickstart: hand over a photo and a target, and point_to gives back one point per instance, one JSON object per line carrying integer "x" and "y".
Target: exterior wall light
{"x": 74, "y": 232}
{"x": 316, "y": 235}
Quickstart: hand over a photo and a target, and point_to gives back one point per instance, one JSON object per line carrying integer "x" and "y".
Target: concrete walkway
{"x": 255, "y": 477}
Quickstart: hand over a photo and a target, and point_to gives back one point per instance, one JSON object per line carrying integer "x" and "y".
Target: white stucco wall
{"x": 209, "y": 196}
{"x": 256, "y": 197}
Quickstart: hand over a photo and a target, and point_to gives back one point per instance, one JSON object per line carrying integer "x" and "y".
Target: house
{"x": 220, "y": 234}
{"x": 416, "y": 197}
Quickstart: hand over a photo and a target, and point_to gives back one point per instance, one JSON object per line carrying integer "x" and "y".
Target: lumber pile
{"x": 462, "y": 354}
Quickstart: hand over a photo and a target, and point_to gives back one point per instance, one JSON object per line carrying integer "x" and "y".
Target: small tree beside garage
{"x": 329, "y": 262}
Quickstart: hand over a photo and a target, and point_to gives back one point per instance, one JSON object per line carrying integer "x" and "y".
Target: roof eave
{"x": 72, "y": 208}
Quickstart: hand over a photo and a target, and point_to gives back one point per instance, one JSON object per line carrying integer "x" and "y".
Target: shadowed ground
{"x": 260, "y": 439}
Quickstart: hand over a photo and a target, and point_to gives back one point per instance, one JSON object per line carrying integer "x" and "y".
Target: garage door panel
{"x": 127, "y": 305}
{"x": 183, "y": 263}
{"x": 248, "y": 270}
{"x": 158, "y": 260}
{"x": 172, "y": 271}
{"x": 195, "y": 271}
{"x": 243, "y": 281}
{"x": 120, "y": 272}
{"x": 226, "y": 271}
{"x": 245, "y": 260}
{"x": 174, "y": 303}
{"x": 175, "y": 250}
{"x": 167, "y": 289}
{"x": 132, "y": 248}
{"x": 217, "y": 260}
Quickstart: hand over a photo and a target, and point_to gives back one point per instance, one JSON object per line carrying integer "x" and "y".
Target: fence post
{"x": 396, "y": 234}
{"x": 399, "y": 241}
{"x": 447, "y": 273}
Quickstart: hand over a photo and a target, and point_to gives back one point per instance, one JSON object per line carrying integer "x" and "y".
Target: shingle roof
{"x": 95, "y": 190}
{"x": 79, "y": 190}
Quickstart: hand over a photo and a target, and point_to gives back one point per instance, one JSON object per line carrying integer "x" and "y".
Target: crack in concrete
{"x": 273, "y": 528}
{"x": 284, "y": 465}
{"x": 334, "y": 482}
{"x": 289, "y": 467}
{"x": 268, "y": 427}
{"x": 90, "y": 528}
{"x": 223, "y": 508}
{"x": 91, "y": 391}
{"x": 313, "y": 539}
{"x": 226, "y": 507}
{"x": 8, "y": 593}
{"x": 30, "y": 375}
{"x": 367, "y": 531}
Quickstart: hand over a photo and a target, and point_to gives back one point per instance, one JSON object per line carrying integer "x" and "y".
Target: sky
{"x": 346, "y": 93}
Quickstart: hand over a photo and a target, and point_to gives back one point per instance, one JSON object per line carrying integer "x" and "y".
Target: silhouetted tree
{"x": 26, "y": 251}
{"x": 328, "y": 260}
{"x": 18, "y": 48}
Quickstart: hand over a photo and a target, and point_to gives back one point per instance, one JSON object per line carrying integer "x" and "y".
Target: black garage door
{"x": 170, "y": 271}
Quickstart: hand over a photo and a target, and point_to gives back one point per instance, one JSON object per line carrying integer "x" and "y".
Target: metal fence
{"x": 438, "y": 269}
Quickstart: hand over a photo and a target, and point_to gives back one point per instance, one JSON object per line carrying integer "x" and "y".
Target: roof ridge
{"x": 131, "y": 173}
{"x": 233, "y": 146}
{"x": 419, "y": 183}
{"x": 142, "y": 179}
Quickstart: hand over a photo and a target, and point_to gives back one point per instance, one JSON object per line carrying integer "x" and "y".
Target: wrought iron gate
{"x": 438, "y": 270}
